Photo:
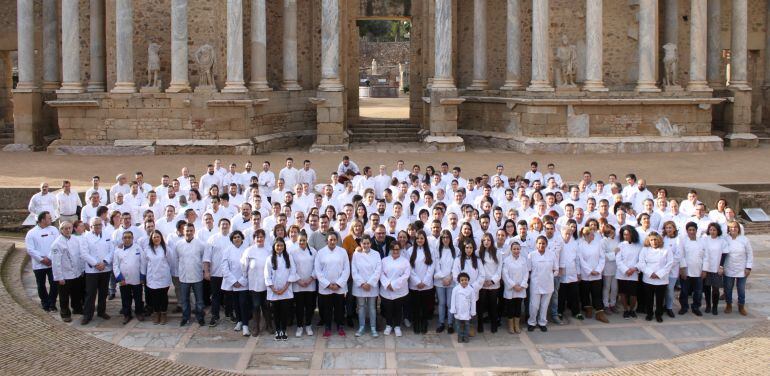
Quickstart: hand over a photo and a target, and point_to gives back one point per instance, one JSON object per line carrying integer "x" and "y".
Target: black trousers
{"x": 304, "y": 306}
{"x": 512, "y": 307}
{"x": 569, "y": 297}
{"x": 96, "y": 287}
{"x": 47, "y": 296}
{"x": 392, "y": 310}
{"x": 129, "y": 294}
{"x": 241, "y": 305}
{"x": 71, "y": 295}
{"x": 207, "y": 290}
{"x": 487, "y": 303}
{"x": 591, "y": 294}
{"x": 332, "y": 307}
{"x": 158, "y": 299}
{"x": 657, "y": 294}
{"x": 641, "y": 295}
{"x": 421, "y": 302}
{"x": 217, "y": 296}
{"x": 281, "y": 311}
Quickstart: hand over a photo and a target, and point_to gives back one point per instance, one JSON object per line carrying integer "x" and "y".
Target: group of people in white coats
{"x": 527, "y": 250}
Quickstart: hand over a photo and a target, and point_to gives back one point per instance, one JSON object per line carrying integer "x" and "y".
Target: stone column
{"x": 594, "y": 46}
{"x": 290, "y": 75}
{"x": 97, "y": 81}
{"x": 442, "y": 77}
{"x": 715, "y": 78}
{"x": 648, "y": 51}
{"x": 513, "y": 47}
{"x": 25, "y": 21}
{"x": 671, "y": 22}
{"x": 234, "y": 83}
{"x": 766, "y": 84}
{"x": 541, "y": 49}
{"x": 330, "y": 46}
{"x": 258, "y": 46}
{"x": 479, "y": 46}
{"x": 124, "y": 51}
{"x": 698, "y": 41}
{"x": 70, "y": 41}
{"x": 50, "y": 46}
{"x": 739, "y": 46}
{"x": 180, "y": 81}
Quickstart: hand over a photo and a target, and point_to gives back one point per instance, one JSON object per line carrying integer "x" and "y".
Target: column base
{"x": 646, "y": 87}
{"x": 183, "y": 87}
{"x": 739, "y": 85}
{"x": 96, "y": 87}
{"x": 291, "y": 86}
{"x": 26, "y": 87}
{"x": 205, "y": 89}
{"x": 443, "y": 83}
{"x": 235, "y": 87}
{"x": 699, "y": 86}
{"x": 71, "y": 88}
{"x": 124, "y": 88}
{"x": 717, "y": 85}
{"x": 18, "y": 148}
{"x": 51, "y": 85}
{"x": 540, "y": 86}
{"x": 478, "y": 85}
{"x": 594, "y": 86}
{"x": 512, "y": 86}
{"x": 330, "y": 85}
{"x": 741, "y": 140}
{"x": 259, "y": 86}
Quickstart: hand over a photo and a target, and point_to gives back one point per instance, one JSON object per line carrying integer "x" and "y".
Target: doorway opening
{"x": 384, "y": 49}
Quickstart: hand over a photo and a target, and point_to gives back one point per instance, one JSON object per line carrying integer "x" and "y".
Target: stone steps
{"x": 384, "y": 130}
{"x": 6, "y": 134}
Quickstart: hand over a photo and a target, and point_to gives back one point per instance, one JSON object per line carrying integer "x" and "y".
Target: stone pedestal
{"x": 330, "y": 119}
{"x": 444, "y": 108}
{"x": 737, "y": 121}
{"x": 28, "y": 121}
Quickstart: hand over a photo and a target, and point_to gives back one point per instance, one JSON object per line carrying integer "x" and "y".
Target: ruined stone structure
{"x": 278, "y": 73}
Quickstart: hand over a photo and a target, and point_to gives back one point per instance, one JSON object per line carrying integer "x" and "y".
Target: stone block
{"x": 174, "y": 134}
{"x": 322, "y": 115}
{"x": 542, "y": 109}
{"x": 329, "y": 128}
{"x": 336, "y": 114}
{"x": 121, "y": 133}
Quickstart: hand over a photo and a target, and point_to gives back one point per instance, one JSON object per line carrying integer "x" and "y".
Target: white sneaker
{"x": 238, "y": 326}
{"x": 407, "y": 323}
{"x": 398, "y": 331}
{"x": 374, "y": 333}
{"x": 309, "y": 330}
{"x": 299, "y": 332}
{"x": 246, "y": 331}
{"x": 387, "y": 331}
{"x": 360, "y": 332}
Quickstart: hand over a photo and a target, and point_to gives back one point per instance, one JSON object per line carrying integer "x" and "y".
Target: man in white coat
{"x": 543, "y": 266}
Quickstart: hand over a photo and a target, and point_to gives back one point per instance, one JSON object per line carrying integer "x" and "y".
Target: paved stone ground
{"x": 582, "y": 346}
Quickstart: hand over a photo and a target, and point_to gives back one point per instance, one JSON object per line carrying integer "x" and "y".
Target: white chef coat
{"x": 694, "y": 256}
{"x": 476, "y": 275}
{"x": 366, "y": 267}
{"x": 395, "y": 273}
{"x": 443, "y": 267}
{"x": 542, "y": 269}
{"x": 266, "y": 181}
{"x": 306, "y": 176}
{"x": 65, "y": 258}
{"x": 658, "y": 261}
{"x": 715, "y": 247}
{"x": 156, "y": 266}
{"x": 231, "y": 268}
{"x": 627, "y": 258}
{"x": 100, "y": 249}
{"x": 609, "y": 246}
{"x": 591, "y": 257}
{"x": 740, "y": 256}
{"x": 515, "y": 273}
{"x": 103, "y": 198}
{"x": 43, "y": 202}
{"x": 215, "y": 253}
{"x": 332, "y": 266}
{"x": 127, "y": 264}
{"x": 253, "y": 266}
{"x": 675, "y": 245}
{"x": 88, "y": 212}
{"x": 208, "y": 180}
{"x": 570, "y": 262}
{"x": 189, "y": 256}
{"x": 38, "y": 242}
{"x": 67, "y": 203}
{"x": 117, "y": 235}
{"x": 282, "y": 275}
{"x": 289, "y": 176}
{"x": 492, "y": 270}
{"x": 421, "y": 272}
{"x": 463, "y": 303}
{"x": 304, "y": 260}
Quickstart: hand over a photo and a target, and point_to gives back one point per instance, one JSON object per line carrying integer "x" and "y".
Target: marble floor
{"x": 578, "y": 346}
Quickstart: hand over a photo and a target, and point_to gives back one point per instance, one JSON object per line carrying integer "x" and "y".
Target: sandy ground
{"x": 732, "y": 166}
{"x": 384, "y": 108}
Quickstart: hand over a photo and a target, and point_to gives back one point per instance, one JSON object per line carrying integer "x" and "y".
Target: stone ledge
{"x": 62, "y": 149}
{"x": 594, "y": 101}
{"x": 72, "y": 103}
{"x": 236, "y": 102}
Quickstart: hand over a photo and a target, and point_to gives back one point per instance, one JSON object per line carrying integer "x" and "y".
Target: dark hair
{"x": 162, "y": 242}
{"x": 492, "y": 249}
{"x": 425, "y": 250}
{"x": 632, "y": 231}
{"x": 451, "y": 244}
{"x": 463, "y": 274}
{"x": 690, "y": 225}
{"x": 285, "y": 254}
{"x": 463, "y": 256}
{"x": 715, "y": 225}
{"x": 236, "y": 232}
{"x": 42, "y": 215}
{"x": 575, "y": 233}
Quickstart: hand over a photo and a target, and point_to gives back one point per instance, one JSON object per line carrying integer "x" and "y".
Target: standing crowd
{"x": 489, "y": 251}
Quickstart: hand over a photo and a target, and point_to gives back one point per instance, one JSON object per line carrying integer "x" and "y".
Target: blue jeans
{"x": 47, "y": 296}
{"x": 553, "y": 305}
{"x": 367, "y": 305}
{"x": 670, "y": 292}
{"x": 729, "y": 282}
{"x": 184, "y": 299}
{"x": 463, "y": 328}
{"x": 444, "y": 297}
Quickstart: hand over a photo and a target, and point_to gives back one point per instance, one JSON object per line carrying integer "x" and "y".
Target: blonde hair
{"x": 735, "y": 224}
{"x": 655, "y": 235}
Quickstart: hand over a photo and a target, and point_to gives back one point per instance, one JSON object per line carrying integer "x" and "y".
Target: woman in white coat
{"x": 543, "y": 266}
{"x": 157, "y": 262}
{"x": 394, "y": 287}
{"x": 469, "y": 263}
{"x": 305, "y": 287}
{"x": 740, "y": 258}
{"x": 279, "y": 275}
{"x": 655, "y": 263}
{"x": 716, "y": 253}
{"x": 569, "y": 272}
{"x": 253, "y": 267}
{"x": 332, "y": 268}
{"x": 421, "y": 297}
{"x": 673, "y": 241}
{"x": 515, "y": 275}
{"x": 235, "y": 281}
{"x": 443, "y": 281}
{"x": 492, "y": 261}
{"x": 591, "y": 257}
{"x": 366, "y": 268}
{"x": 627, "y": 274}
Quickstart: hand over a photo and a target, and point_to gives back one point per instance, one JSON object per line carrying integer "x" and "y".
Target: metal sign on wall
{"x": 756, "y": 215}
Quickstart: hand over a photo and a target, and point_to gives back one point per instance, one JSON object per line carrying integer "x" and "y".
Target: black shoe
{"x": 284, "y": 337}
{"x": 52, "y": 309}
{"x": 714, "y": 311}
{"x": 530, "y": 328}
{"x": 183, "y": 322}
{"x": 350, "y": 322}
{"x": 440, "y": 328}
{"x": 626, "y": 315}
{"x": 493, "y": 329}
{"x": 103, "y": 316}
{"x": 659, "y": 318}
{"x": 696, "y": 312}
{"x": 111, "y": 296}
{"x": 707, "y": 310}
{"x": 450, "y": 330}
{"x": 681, "y": 311}
{"x": 640, "y": 309}
{"x": 177, "y": 309}
{"x": 126, "y": 319}
{"x": 277, "y": 336}
{"x": 214, "y": 321}
{"x": 543, "y": 328}
{"x": 632, "y": 314}
{"x": 46, "y": 309}
{"x": 480, "y": 328}
{"x": 670, "y": 313}
{"x": 648, "y": 317}
{"x": 201, "y": 322}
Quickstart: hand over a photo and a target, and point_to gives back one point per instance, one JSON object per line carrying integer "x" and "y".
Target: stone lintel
{"x": 597, "y": 101}
{"x": 72, "y": 103}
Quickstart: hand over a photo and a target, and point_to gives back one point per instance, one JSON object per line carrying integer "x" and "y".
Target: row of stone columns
{"x": 125, "y": 82}
{"x": 704, "y": 45}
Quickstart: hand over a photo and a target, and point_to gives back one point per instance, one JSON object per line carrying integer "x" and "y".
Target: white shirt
{"x": 65, "y": 258}
{"x": 100, "y": 249}
{"x": 103, "y": 198}
{"x": 532, "y": 176}
{"x": 476, "y": 275}
{"x": 463, "y": 303}
{"x": 591, "y": 259}
{"x": 253, "y": 266}
{"x": 421, "y": 272}
{"x": 304, "y": 259}
{"x": 214, "y": 254}
{"x": 289, "y": 176}
{"x": 306, "y": 176}
{"x": 515, "y": 273}
{"x": 332, "y": 266}
{"x": 124, "y": 189}
{"x": 542, "y": 268}
{"x": 569, "y": 261}
{"x": 266, "y": 181}
{"x": 231, "y": 269}
{"x": 658, "y": 261}
{"x": 189, "y": 256}
{"x": 38, "y": 242}
{"x": 207, "y": 180}
{"x": 740, "y": 256}
{"x": 43, "y": 202}
{"x": 492, "y": 270}
{"x": 675, "y": 246}
{"x": 342, "y": 169}
{"x": 395, "y": 273}
{"x": 401, "y": 175}
{"x": 366, "y": 267}
{"x": 609, "y": 246}
{"x": 627, "y": 258}
{"x": 715, "y": 247}
{"x": 282, "y": 276}
{"x": 694, "y": 258}
{"x": 127, "y": 264}
{"x": 443, "y": 268}
{"x": 88, "y": 212}
{"x": 156, "y": 266}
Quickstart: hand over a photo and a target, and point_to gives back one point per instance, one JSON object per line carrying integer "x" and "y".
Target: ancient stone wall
{"x": 387, "y": 54}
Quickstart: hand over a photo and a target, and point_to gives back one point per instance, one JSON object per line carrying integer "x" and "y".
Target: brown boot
{"x": 156, "y": 318}
{"x": 516, "y": 325}
{"x": 728, "y": 308}
{"x": 742, "y": 309}
{"x": 472, "y": 331}
{"x": 601, "y": 316}
{"x": 589, "y": 312}
{"x": 511, "y": 326}
{"x": 163, "y": 318}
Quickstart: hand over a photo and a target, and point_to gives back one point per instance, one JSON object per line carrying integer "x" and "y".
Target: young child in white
{"x": 463, "y": 306}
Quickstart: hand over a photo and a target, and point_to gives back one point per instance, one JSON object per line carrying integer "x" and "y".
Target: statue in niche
{"x": 153, "y": 66}
{"x": 670, "y": 64}
{"x": 374, "y": 67}
{"x": 566, "y": 55}
{"x": 204, "y": 56}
